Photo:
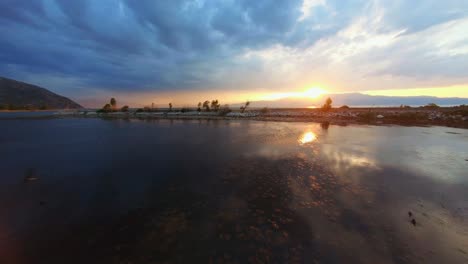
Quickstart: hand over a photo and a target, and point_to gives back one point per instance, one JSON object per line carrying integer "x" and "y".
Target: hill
{"x": 15, "y": 95}
{"x": 358, "y": 99}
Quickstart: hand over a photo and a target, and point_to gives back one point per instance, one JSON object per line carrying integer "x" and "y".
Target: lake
{"x": 90, "y": 190}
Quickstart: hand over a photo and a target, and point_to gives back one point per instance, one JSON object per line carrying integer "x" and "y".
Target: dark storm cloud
{"x": 147, "y": 44}
{"x": 139, "y": 43}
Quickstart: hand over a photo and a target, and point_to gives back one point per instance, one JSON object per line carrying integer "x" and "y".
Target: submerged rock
{"x": 30, "y": 175}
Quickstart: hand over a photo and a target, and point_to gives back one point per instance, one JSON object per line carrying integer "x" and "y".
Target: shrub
{"x": 225, "y": 110}
{"x": 124, "y": 108}
{"x": 344, "y": 107}
{"x": 107, "y": 108}
{"x": 264, "y": 110}
{"x": 431, "y": 106}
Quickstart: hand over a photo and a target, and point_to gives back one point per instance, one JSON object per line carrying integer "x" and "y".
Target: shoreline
{"x": 448, "y": 117}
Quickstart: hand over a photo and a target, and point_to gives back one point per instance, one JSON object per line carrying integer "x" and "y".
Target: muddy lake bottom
{"x": 225, "y": 191}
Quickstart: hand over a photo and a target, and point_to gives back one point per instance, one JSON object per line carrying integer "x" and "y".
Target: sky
{"x": 145, "y": 51}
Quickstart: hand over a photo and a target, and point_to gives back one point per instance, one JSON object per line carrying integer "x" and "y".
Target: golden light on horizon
{"x": 314, "y": 92}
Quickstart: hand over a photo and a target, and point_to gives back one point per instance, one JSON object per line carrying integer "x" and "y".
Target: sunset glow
{"x": 314, "y": 92}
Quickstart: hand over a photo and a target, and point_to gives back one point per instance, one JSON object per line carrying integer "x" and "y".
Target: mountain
{"x": 358, "y": 99}
{"x": 16, "y": 95}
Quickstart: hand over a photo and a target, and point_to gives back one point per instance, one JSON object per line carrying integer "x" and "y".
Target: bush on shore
{"x": 431, "y": 106}
{"x": 328, "y": 105}
{"x": 265, "y": 110}
{"x": 225, "y": 110}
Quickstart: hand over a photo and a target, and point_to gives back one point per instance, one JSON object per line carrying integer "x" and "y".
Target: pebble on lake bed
{"x": 30, "y": 175}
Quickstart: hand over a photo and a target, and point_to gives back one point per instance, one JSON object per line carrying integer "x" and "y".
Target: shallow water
{"x": 117, "y": 191}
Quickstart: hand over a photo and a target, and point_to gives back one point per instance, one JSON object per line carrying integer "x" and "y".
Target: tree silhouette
{"x": 244, "y": 107}
{"x": 113, "y": 103}
{"x": 170, "y": 107}
{"x": 199, "y": 106}
{"x": 328, "y": 105}
{"x": 206, "y": 105}
{"x": 124, "y": 108}
{"x": 215, "y": 105}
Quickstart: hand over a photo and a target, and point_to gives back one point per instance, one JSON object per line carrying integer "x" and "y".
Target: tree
{"x": 244, "y": 107}
{"x": 328, "y": 105}
{"x": 199, "y": 106}
{"x": 113, "y": 103}
{"x": 206, "y": 105}
{"x": 170, "y": 107}
{"x": 215, "y": 105}
{"x": 124, "y": 108}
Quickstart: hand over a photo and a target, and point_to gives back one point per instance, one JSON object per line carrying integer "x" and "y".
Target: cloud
{"x": 126, "y": 45}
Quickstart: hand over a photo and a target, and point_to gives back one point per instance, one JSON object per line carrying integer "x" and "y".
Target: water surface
{"x": 115, "y": 191}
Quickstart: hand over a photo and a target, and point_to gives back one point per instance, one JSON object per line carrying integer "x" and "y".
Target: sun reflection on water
{"x": 307, "y": 137}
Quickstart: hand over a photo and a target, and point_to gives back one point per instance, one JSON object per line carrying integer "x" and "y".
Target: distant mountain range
{"x": 358, "y": 99}
{"x": 15, "y": 95}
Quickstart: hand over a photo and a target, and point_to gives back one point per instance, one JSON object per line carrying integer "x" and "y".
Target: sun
{"x": 314, "y": 92}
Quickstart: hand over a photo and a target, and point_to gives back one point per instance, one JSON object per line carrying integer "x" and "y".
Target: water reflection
{"x": 325, "y": 125}
{"x": 307, "y": 137}
{"x": 236, "y": 191}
